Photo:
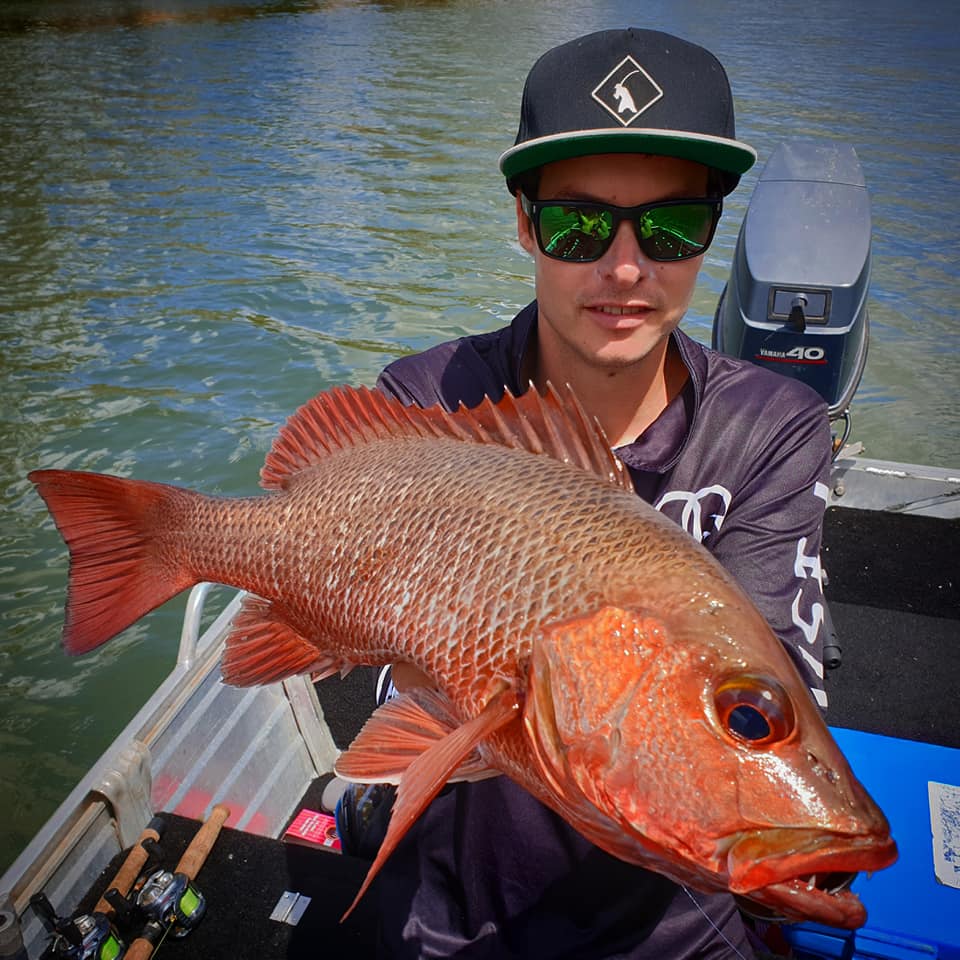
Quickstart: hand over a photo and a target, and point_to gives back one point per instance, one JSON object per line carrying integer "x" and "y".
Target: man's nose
{"x": 625, "y": 262}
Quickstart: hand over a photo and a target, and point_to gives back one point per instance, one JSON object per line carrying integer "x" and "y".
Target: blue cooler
{"x": 913, "y": 908}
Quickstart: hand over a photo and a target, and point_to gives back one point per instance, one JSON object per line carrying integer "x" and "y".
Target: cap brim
{"x": 730, "y": 156}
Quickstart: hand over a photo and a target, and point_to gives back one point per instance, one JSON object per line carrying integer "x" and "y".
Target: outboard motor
{"x": 796, "y": 300}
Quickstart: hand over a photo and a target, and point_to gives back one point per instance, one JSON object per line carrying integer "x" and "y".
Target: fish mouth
{"x": 825, "y": 898}
{"x": 804, "y": 875}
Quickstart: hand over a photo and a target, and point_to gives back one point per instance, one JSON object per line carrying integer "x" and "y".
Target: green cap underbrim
{"x": 730, "y": 156}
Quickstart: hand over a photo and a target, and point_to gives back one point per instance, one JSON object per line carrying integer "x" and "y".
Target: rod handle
{"x": 196, "y": 854}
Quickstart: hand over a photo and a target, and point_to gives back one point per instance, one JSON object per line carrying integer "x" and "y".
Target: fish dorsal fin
{"x": 553, "y": 424}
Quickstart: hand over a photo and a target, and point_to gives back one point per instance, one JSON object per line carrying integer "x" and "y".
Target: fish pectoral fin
{"x": 427, "y": 773}
{"x": 401, "y": 730}
{"x": 263, "y": 648}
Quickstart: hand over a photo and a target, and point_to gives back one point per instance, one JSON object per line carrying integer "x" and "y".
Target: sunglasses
{"x": 580, "y": 232}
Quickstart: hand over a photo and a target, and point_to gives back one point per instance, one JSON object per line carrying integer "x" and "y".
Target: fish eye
{"x": 754, "y": 710}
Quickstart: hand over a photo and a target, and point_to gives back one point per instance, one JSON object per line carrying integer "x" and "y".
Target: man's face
{"x": 617, "y": 311}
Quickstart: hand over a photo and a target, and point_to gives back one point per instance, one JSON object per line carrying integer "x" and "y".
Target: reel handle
{"x": 131, "y": 868}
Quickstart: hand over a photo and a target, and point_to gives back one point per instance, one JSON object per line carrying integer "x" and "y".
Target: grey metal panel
{"x": 899, "y": 487}
{"x": 195, "y": 743}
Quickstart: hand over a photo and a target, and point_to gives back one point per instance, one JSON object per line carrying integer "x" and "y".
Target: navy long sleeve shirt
{"x": 740, "y": 459}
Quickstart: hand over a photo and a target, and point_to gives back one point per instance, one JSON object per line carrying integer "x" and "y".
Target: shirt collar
{"x": 659, "y": 447}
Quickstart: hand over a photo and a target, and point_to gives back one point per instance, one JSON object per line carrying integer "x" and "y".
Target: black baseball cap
{"x": 628, "y": 91}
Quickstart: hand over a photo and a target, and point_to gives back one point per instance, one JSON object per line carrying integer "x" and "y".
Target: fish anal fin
{"x": 551, "y": 424}
{"x": 263, "y": 648}
{"x": 399, "y": 732}
{"x": 427, "y": 773}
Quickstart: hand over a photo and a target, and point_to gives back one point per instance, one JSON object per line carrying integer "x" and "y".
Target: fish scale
{"x": 566, "y": 633}
{"x": 379, "y": 591}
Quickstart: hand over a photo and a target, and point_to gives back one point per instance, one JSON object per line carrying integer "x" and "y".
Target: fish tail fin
{"x": 116, "y": 574}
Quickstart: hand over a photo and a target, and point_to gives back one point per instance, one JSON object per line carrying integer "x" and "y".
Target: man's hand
{"x": 406, "y": 675}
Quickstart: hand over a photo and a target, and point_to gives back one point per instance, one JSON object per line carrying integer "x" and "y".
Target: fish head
{"x": 702, "y": 758}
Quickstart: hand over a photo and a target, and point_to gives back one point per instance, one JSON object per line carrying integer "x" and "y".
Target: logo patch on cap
{"x": 626, "y": 91}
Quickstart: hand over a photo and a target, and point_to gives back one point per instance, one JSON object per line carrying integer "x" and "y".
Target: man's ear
{"x": 525, "y": 229}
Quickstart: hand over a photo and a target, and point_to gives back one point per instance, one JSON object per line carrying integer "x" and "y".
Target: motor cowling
{"x": 796, "y": 299}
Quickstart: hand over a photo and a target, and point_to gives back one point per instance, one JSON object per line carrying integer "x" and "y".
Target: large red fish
{"x": 579, "y": 642}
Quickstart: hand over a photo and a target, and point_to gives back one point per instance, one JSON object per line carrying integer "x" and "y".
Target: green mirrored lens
{"x": 575, "y": 234}
{"x": 676, "y": 231}
{"x": 580, "y": 232}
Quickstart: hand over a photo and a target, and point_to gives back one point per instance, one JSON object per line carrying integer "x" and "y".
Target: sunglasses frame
{"x": 533, "y": 209}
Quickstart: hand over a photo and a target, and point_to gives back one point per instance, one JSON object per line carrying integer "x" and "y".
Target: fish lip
{"x": 805, "y": 874}
{"x": 807, "y": 898}
{"x": 761, "y": 857}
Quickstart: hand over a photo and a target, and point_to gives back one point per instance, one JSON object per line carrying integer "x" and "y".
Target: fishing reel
{"x": 172, "y": 901}
{"x": 165, "y": 904}
{"x": 85, "y": 937}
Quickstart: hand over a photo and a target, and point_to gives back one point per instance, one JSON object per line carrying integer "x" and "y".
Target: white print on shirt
{"x": 715, "y": 498}
{"x": 805, "y": 568}
{"x": 711, "y": 504}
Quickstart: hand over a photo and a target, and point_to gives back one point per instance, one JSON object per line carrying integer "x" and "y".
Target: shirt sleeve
{"x": 457, "y": 372}
{"x": 771, "y": 535}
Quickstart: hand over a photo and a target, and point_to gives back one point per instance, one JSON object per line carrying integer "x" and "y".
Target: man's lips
{"x": 611, "y": 316}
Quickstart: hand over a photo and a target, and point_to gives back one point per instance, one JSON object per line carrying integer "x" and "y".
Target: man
{"x": 625, "y": 149}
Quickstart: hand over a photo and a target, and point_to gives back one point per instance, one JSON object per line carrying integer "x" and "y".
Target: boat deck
{"x": 242, "y": 880}
{"x": 894, "y": 593}
{"x": 896, "y": 608}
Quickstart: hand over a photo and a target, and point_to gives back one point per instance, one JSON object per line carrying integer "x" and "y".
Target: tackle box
{"x": 913, "y": 907}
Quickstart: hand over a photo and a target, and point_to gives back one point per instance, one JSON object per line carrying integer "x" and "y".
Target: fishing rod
{"x": 94, "y": 934}
{"x": 171, "y": 901}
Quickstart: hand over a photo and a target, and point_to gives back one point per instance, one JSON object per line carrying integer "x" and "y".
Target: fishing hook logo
{"x": 627, "y": 91}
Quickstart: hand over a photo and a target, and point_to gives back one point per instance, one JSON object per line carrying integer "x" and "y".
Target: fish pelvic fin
{"x": 116, "y": 574}
{"x": 553, "y": 424}
{"x": 426, "y": 774}
{"x": 263, "y": 648}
